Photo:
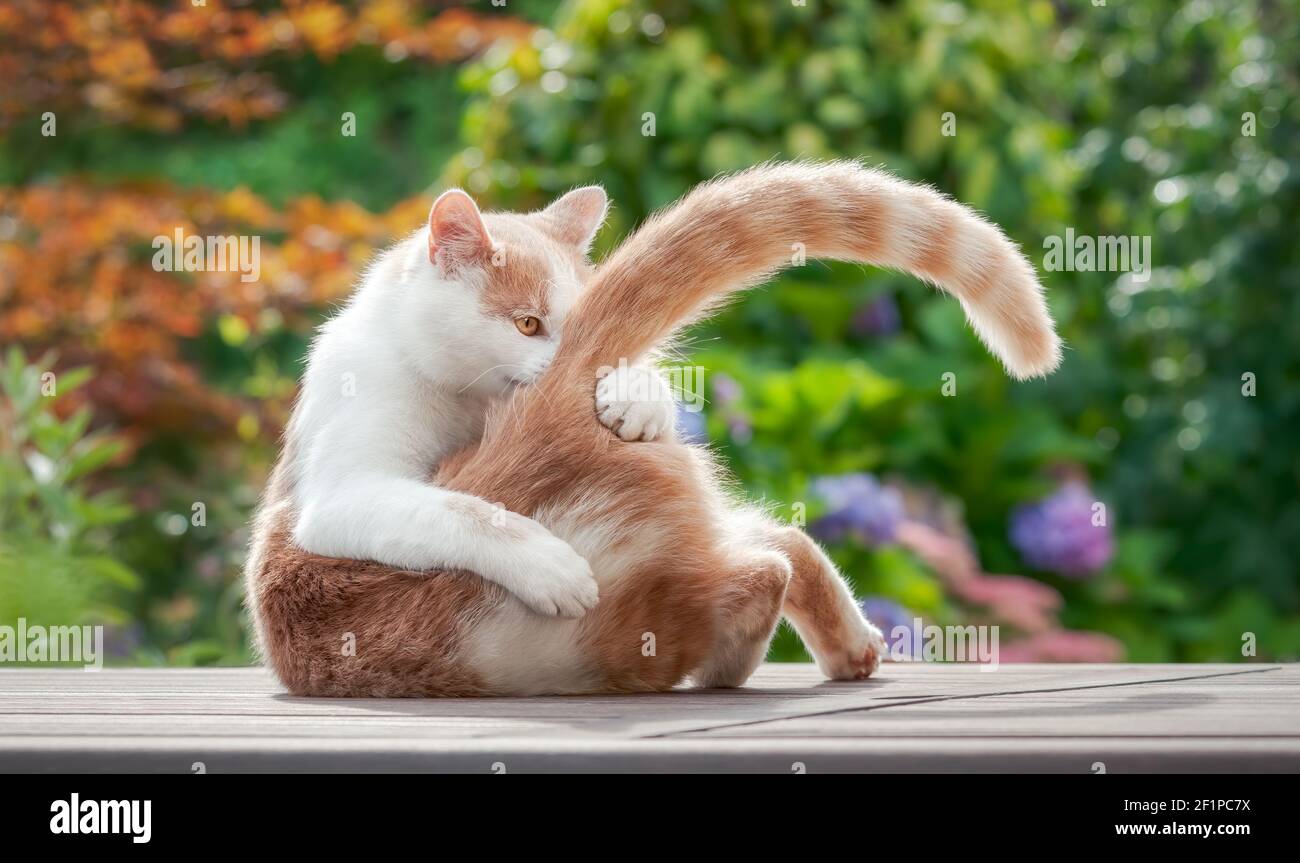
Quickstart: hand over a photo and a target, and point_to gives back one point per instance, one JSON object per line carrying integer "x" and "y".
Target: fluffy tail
{"x": 736, "y": 231}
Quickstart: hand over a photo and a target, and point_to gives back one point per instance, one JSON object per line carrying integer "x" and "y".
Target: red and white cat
{"x": 445, "y": 324}
{"x": 690, "y": 582}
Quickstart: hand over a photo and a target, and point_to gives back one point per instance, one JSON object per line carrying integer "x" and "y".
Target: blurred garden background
{"x": 1140, "y": 504}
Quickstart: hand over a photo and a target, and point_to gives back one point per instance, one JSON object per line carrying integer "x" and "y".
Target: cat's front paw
{"x": 557, "y": 581}
{"x": 635, "y": 403}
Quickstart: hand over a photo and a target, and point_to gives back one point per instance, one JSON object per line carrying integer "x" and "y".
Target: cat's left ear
{"x": 576, "y": 217}
{"x": 457, "y": 235}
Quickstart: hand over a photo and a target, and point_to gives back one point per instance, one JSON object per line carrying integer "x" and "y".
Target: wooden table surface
{"x": 912, "y": 717}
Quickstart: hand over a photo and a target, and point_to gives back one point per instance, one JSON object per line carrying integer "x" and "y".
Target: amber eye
{"x": 528, "y": 325}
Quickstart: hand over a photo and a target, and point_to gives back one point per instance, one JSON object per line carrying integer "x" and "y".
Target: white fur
{"x": 401, "y": 378}
{"x": 514, "y": 651}
{"x": 636, "y": 403}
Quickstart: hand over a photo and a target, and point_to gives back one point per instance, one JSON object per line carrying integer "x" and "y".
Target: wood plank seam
{"x": 940, "y": 698}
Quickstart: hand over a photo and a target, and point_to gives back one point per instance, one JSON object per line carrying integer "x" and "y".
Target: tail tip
{"x": 1036, "y": 359}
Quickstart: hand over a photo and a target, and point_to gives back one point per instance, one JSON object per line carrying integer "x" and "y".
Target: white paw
{"x": 553, "y": 579}
{"x": 635, "y": 403}
{"x": 861, "y": 654}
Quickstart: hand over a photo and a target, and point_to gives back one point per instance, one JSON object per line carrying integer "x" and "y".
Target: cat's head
{"x": 498, "y": 287}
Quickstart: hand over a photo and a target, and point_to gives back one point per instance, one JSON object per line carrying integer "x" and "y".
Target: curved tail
{"x": 734, "y": 232}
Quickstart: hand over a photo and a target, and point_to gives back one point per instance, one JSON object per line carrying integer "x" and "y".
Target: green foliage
{"x": 1125, "y": 119}
{"x": 1129, "y": 119}
{"x": 56, "y": 565}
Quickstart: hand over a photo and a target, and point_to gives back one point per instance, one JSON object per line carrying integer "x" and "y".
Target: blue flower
{"x": 890, "y": 618}
{"x": 878, "y": 317}
{"x": 1057, "y": 534}
{"x": 691, "y": 425}
{"x": 857, "y": 505}
{"x": 726, "y": 389}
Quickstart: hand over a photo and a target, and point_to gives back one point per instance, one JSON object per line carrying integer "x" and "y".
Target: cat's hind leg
{"x": 844, "y": 643}
{"x": 818, "y": 602}
{"x": 755, "y": 582}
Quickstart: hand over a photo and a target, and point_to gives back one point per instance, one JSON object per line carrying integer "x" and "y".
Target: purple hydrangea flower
{"x": 726, "y": 389}
{"x": 1057, "y": 534}
{"x": 122, "y": 641}
{"x": 726, "y": 397}
{"x": 691, "y": 425}
{"x": 878, "y": 317}
{"x": 739, "y": 428}
{"x": 857, "y": 505}
{"x": 889, "y": 617}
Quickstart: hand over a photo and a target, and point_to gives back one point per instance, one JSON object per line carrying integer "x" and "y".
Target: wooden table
{"x": 912, "y": 717}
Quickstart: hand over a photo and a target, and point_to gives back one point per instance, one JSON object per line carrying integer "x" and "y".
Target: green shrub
{"x": 56, "y": 563}
{"x": 1130, "y": 119}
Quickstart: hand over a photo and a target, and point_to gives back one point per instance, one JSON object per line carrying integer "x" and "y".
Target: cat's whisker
{"x": 484, "y": 372}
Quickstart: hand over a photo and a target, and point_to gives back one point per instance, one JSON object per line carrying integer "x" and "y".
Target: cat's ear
{"x": 576, "y": 217}
{"x": 457, "y": 235}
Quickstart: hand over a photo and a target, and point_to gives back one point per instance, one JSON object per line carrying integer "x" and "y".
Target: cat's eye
{"x": 528, "y": 325}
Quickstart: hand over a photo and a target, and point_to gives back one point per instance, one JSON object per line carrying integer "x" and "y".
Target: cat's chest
{"x": 442, "y": 429}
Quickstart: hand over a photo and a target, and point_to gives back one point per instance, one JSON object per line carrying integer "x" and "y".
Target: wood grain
{"x": 912, "y": 717}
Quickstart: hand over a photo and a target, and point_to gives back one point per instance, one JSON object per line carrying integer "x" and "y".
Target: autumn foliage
{"x": 194, "y": 371}
{"x": 323, "y": 128}
{"x": 155, "y": 65}
{"x": 76, "y": 268}
{"x": 77, "y": 275}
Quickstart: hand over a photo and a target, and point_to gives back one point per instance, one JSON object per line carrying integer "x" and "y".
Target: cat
{"x": 444, "y": 324}
{"x": 692, "y": 582}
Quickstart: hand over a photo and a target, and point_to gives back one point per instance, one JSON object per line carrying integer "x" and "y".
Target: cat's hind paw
{"x": 860, "y": 657}
{"x": 635, "y": 403}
